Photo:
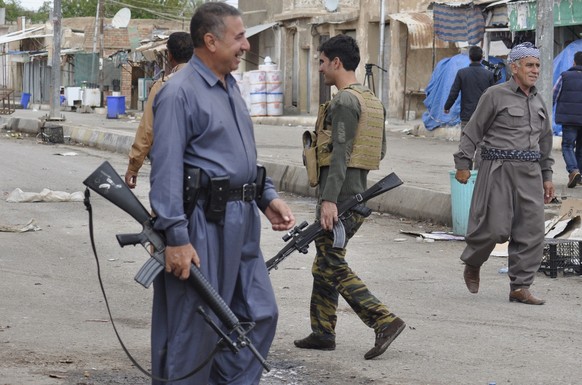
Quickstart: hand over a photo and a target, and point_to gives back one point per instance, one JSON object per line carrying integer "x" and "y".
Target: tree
{"x": 78, "y": 8}
{"x": 140, "y": 9}
{"x": 43, "y": 13}
{"x": 14, "y": 10}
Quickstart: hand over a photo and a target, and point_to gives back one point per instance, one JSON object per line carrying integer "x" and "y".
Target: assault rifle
{"x": 302, "y": 235}
{"x": 106, "y": 182}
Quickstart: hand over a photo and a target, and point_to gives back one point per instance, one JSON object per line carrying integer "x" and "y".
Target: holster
{"x": 310, "y": 157}
{"x": 260, "y": 181}
{"x": 191, "y": 188}
{"x": 219, "y": 193}
{"x": 216, "y": 199}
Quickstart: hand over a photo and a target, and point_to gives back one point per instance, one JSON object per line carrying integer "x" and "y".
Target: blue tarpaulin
{"x": 563, "y": 62}
{"x": 437, "y": 92}
{"x": 438, "y": 88}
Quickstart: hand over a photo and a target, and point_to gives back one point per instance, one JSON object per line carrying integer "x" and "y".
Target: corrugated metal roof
{"x": 24, "y": 34}
{"x": 498, "y": 3}
{"x": 453, "y": 3}
{"x": 420, "y": 29}
{"x": 462, "y": 3}
{"x": 251, "y": 31}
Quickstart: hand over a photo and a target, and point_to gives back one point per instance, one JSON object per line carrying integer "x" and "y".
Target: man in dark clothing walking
{"x": 471, "y": 81}
{"x": 568, "y": 100}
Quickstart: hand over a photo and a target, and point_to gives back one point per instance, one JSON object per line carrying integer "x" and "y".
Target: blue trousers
{"x": 572, "y": 147}
{"x": 232, "y": 262}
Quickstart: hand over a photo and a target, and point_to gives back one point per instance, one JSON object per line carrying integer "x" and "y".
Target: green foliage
{"x": 14, "y": 9}
{"x": 140, "y": 9}
{"x": 78, "y": 8}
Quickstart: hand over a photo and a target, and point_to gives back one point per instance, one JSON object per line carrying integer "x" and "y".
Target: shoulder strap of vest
{"x": 357, "y": 93}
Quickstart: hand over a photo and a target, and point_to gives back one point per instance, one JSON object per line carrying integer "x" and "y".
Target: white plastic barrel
{"x": 257, "y": 93}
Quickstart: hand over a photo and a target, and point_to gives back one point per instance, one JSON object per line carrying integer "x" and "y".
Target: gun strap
{"x": 89, "y": 208}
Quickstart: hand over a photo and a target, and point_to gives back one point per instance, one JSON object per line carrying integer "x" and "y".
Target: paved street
{"x": 54, "y": 327}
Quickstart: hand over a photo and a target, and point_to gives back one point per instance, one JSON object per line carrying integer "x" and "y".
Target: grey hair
{"x": 209, "y": 17}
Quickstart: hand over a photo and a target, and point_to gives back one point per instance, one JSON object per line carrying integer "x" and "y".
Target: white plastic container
{"x": 274, "y": 80}
{"x": 275, "y": 104}
{"x": 257, "y": 80}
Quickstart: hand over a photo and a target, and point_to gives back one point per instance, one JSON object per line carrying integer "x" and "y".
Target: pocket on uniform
{"x": 515, "y": 118}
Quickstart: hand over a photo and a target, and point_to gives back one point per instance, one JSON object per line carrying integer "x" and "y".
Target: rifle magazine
{"x": 148, "y": 272}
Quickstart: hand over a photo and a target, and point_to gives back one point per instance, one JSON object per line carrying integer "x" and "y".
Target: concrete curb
{"x": 406, "y": 201}
{"x": 453, "y": 134}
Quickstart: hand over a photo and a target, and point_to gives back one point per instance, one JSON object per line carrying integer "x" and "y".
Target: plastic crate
{"x": 561, "y": 255}
{"x": 52, "y": 134}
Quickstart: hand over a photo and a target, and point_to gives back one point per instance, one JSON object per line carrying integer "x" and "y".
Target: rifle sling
{"x": 89, "y": 208}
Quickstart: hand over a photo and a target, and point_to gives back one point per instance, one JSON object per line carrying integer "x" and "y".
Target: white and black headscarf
{"x": 523, "y": 50}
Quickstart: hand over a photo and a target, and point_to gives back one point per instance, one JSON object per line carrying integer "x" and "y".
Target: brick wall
{"x": 126, "y": 84}
{"x": 118, "y": 39}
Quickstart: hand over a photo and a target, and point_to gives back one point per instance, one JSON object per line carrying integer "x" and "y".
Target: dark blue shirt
{"x": 471, "y": 81}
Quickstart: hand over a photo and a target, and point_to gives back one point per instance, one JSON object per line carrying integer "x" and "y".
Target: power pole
{"x": 95, "y": 32}
{"x": 545, "y": 42}
{"x": 55, "y": 101}
{"x": 101, "y": 43}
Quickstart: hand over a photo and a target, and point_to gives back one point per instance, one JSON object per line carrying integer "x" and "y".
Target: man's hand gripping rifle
{"x": 106, "y": 182}
{"x": 302, "y": 235}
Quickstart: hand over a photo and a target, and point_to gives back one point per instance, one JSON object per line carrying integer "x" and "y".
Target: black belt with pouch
{"x": 218, "y": 192}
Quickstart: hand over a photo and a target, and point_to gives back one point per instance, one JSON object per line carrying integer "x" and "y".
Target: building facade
{"x": 395, "y": 37}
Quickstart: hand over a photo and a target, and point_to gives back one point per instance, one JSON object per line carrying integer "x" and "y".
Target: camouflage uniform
{"x": 349, "y": 120}
{"x": 332, "y": 276}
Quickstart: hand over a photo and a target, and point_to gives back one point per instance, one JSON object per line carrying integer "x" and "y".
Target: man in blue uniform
{"x": 200, "y": 120}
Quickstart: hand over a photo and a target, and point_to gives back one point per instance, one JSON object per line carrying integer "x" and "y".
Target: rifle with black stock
{"x": 302, "y": 235}
{"x": 106, "y": 182}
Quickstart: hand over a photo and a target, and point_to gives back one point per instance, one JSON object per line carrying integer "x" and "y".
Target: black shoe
{"x": 385, "y": 337}
{"x": 314, "y": 341}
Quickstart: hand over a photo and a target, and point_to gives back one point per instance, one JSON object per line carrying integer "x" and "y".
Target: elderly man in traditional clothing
{"x": 512, "y": 126}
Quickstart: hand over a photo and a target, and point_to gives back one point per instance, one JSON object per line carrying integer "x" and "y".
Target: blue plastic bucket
{"x": 461, "y": 195}
{"x": 24, "y": 100}
{"x": 115, "y": 106}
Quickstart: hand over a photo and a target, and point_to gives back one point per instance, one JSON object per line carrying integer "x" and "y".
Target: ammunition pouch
{"x": 310, "y": 157}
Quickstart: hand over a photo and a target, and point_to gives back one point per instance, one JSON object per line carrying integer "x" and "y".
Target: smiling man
{"x": 350, "y": 142}
{"x": 202, "y": 130}
{"x": 512, "y": 125}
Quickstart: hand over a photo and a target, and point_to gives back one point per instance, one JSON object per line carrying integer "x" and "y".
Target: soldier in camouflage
{"x": 350, "y": 142}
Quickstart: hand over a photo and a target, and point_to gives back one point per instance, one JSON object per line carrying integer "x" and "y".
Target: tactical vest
{"x": 367, "y": 147}
{"x": 568, "y": 111}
